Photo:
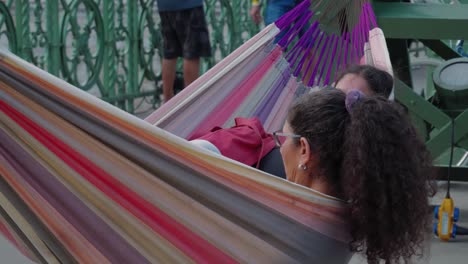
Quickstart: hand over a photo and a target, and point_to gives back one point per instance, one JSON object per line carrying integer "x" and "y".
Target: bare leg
{"x": 168, "y": 78}
{"x": 191, "y": 70}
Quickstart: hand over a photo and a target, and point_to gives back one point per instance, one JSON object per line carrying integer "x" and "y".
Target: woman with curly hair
{"x": 365, "y": 151}
{"x": 368, "y": 79}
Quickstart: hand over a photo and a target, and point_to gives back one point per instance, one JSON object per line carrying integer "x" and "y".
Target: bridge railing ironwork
{"x": 110, "y": 48}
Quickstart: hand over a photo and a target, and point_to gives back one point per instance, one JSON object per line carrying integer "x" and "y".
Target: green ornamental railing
{"x": 110, "y": 48}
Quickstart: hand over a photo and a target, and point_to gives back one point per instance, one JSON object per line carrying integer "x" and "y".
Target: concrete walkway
{"x": 454, "y": 251}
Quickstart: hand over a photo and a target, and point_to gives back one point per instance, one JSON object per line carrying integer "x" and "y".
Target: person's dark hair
{"x": 379, "y": 81}
{"x": 373, "y": 157}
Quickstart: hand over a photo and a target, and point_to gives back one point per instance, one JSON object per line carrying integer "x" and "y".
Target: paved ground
{"x": 454, "y": 251}
{"x": 9, "y": 254}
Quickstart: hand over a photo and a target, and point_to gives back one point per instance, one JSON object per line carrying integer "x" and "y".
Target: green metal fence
{"x": 110, "y": 48}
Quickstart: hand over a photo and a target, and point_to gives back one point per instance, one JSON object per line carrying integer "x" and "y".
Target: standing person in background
{"x": 274, "y": 9}
{"x": 185, "y": 34}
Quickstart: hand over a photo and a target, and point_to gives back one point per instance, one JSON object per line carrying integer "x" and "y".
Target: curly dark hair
{"x": 379, "y": 81}
{"x": 373, "y": 157}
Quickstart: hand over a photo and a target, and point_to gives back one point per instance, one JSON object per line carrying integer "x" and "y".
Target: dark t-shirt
{"x": 273, "y": 163}
{"x": 174, "y": 5}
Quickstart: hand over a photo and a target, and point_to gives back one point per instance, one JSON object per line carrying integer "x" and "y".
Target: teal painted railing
{"x": 110, "y": 48}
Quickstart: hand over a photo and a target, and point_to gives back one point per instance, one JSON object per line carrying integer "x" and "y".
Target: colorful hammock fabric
{"x": 84, "y": 182}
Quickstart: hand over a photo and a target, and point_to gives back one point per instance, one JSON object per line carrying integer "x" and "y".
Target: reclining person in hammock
{"x": 254, "y": 147}
{"x": 364, "y": 150}
{"x": 365, "y": 78}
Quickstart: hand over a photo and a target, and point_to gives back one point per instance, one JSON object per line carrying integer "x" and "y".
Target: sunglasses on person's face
{"x": 280, "y": 137}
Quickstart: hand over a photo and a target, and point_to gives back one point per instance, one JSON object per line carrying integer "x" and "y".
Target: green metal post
{"x": 423, "y": 110}
{"x": 236, "y": 21}
{"x": 10, "y": 26}
{"x": 53, "y": 55}
{"x": 420, "y": 110}
{"x": 110, "y": 70}
{"x": 440, "y": 141}
{"x": 417, "y": 104}
{"x": 24, "y": 47}
{"x": 122, "y": 70}
{"x": 132, "y": 84}
{"x": 398, "y": 49}
{"x": 422, "y": 21}
{"x": 439, "y": 47}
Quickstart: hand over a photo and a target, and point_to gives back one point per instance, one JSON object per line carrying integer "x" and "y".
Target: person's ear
{"x": 305, "y": 151}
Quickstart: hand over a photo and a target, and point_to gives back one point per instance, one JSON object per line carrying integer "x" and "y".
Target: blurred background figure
{"x": 274, "y": 9}
{"x": 185, "y": 34}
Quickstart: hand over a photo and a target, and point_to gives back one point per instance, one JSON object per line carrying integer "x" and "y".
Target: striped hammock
{"x": 262, "y": 77}
{"x": 84, "y": 182}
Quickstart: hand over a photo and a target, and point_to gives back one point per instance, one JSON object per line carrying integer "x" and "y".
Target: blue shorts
{"x": 274, "y": 9}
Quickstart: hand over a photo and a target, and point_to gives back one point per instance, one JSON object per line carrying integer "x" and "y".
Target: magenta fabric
{"x": 226, "y": 107}
{"x": 246, "y": 142}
